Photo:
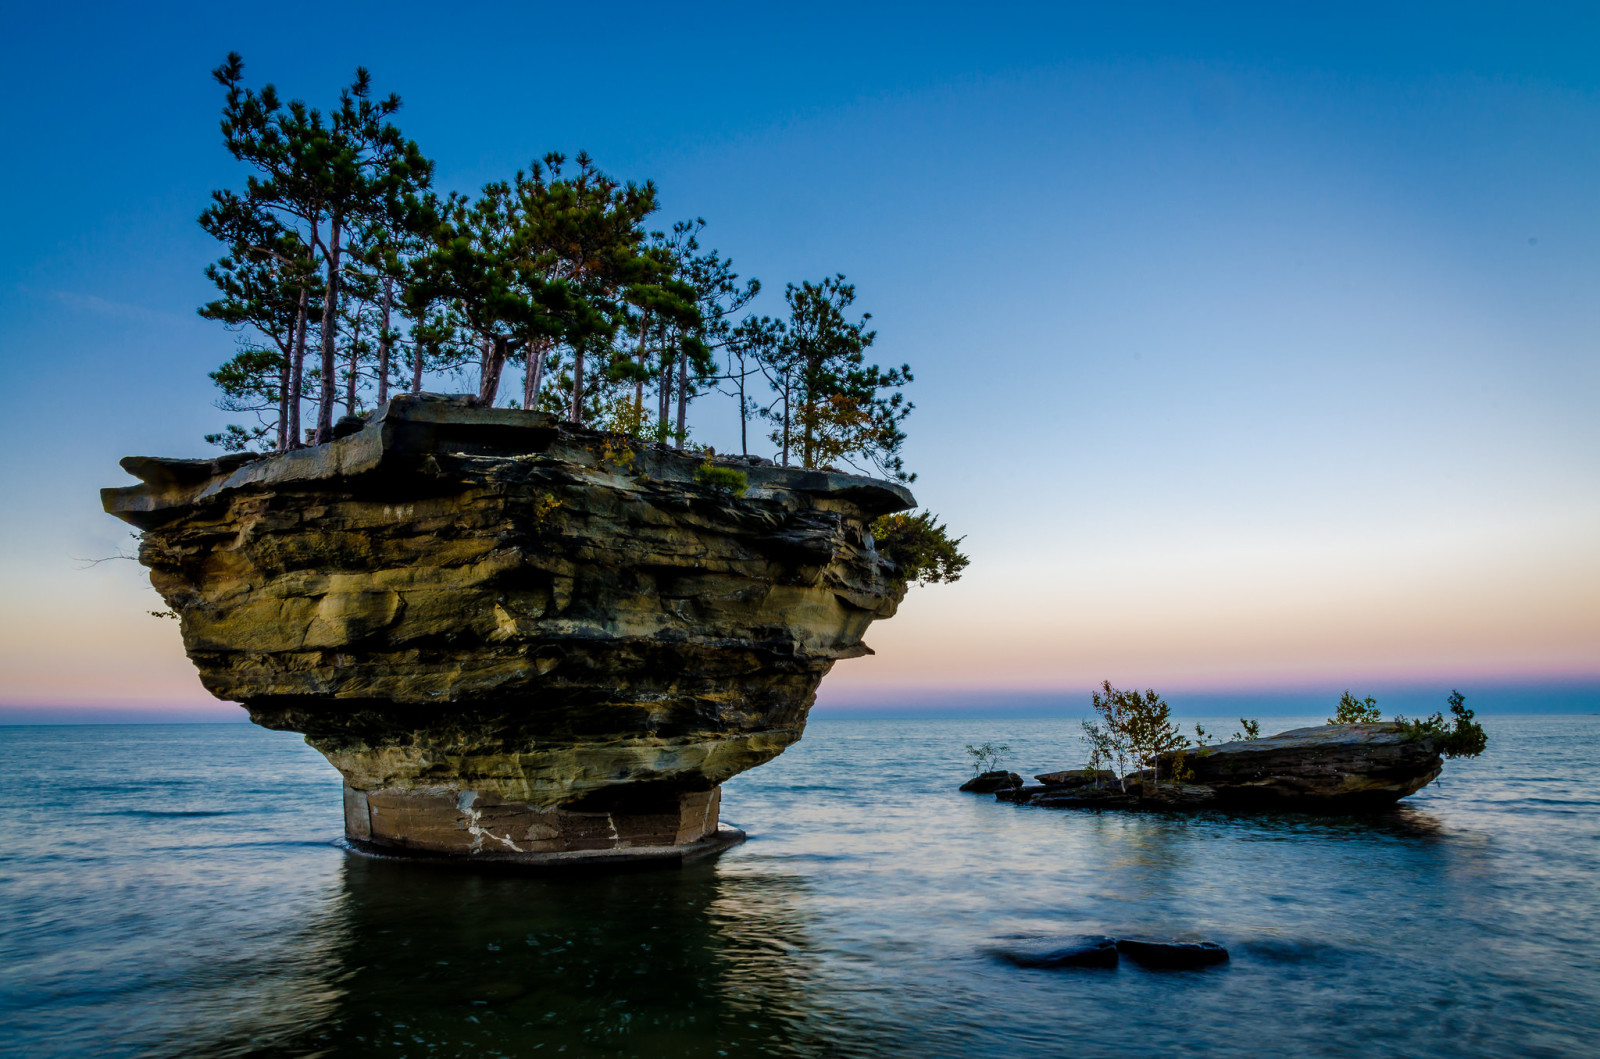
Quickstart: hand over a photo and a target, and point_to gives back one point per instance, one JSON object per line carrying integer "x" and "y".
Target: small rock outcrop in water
{"x": 515, "y": 638}
{"x": 989, "y": 782}
{"x": 1172, "y": 955}
{"x": 1334, "y": 767}
{"x": 1057, "y": 950}
{"x": 1099, "y": 950}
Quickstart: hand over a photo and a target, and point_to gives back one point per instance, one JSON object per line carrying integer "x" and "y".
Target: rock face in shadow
{"x": 1330, "y": 768}
{"x": 512, "y": 636}
{"x": 1345, "y": 766}
{"x": 994, "y": 780}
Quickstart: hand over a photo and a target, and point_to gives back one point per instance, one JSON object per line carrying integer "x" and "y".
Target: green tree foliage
{"x": 1356, "y": 711}
{"x": 920, "y": 547}
{"x": 986, "y": 757}
{"x": 269, "y": 308}
{"x": 830, "y": 405}
{"x": 1461, "y": 737}
{"x": 542, "y": 263}
{"x": 1132, "y": 726}
{"x": 337, "y": 242}
{"x": 724, "y": 479}
{"x": 690, "y": 341}
{"x": 321, "y": 176}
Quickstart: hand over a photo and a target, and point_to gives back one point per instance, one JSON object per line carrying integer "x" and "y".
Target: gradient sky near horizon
{"x": 1256, "y": 345}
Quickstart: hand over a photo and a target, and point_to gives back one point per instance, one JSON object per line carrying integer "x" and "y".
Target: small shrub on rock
{"x": 1463, "y": 738}
{"x": 1356, "y": 711}
{"x": 986, "y": 757}
{"x": 725, "y": 479}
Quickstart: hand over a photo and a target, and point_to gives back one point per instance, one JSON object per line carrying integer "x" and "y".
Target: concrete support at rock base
{"x": 477, "y": 824}
{"x": 516, "y": 638}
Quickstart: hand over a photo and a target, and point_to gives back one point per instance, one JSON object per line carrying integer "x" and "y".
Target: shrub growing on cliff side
{"x": 920, "y": 548}
{"x": 1356, "y": 711}
{"x": 726, "y": 479}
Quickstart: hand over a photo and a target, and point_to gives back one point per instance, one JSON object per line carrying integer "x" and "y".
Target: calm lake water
{"x": 180, "y": 890}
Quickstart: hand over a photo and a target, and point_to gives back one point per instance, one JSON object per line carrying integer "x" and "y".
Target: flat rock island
{"x": 516, "y": 639}
{"x": 1326, "y": 768}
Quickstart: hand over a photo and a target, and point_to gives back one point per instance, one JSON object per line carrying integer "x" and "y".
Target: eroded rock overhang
{"x": 492, "y": 608}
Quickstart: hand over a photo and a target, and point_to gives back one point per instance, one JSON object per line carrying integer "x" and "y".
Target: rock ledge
{"x": 515, "y": 637}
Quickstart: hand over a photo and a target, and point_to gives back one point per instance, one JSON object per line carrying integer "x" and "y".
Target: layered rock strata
{"x": 1335, "y": 767}
{"x": 515, "y": 638}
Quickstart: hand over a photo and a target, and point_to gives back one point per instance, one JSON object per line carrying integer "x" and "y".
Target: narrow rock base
{"x": 479, "y": 825}
{"x": 593, "y": 859}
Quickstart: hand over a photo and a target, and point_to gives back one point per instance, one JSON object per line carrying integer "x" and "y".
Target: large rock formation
{"x": 1333, "y": 767}
{"x": 516, "y": 639}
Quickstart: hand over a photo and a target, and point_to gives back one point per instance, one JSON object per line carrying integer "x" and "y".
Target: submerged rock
{"x": 1083, "y": 777}
{"x": 1059, "y": 950}
{"x": 1020, "y": 795}
{"x": 1136, "y": 796}
{"x": 989, "y": 782}
{"x": 1172, "y": 955}
{"x": 1099, "y": 950}
{"x": 515, "y": 638}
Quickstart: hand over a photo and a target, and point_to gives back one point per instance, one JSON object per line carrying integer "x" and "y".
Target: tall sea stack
{"x": 517, "y": 639}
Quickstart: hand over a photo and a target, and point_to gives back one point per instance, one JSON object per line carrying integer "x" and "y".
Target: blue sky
{"x": 1256, "y": 348}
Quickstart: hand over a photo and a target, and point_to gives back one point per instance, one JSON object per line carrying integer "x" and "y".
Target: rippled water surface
{"x": 179, "y": 890}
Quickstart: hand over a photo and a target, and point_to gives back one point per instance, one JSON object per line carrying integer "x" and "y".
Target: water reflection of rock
{"x": 648, "y": 963}
{"x": 1215, "y": 872}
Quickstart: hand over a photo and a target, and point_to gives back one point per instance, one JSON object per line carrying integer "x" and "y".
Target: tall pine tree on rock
{"x": 320, "y": 175}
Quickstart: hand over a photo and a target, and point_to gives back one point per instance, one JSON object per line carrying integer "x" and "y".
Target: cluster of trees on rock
{"x": 1132, "y": 727}
{"x": 1136, "y": 727}
{"x": 1461, "y": 736}
{"x": 350, "y": 277}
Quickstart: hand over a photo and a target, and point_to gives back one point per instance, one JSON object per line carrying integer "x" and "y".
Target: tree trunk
{"x": 808, "y": 417}
{"x": 495, "y": 352}
{"x": 416, "y": 364}
{"x": 533, "y": 362}
{"x": 638, "y": 384}
{"x": 383, "y": 342}
{"x": 297, "y": 368}
{"x": 683, "y": 396}
{"x": 664, "y": 398}
{"x": 330, "y": 317}
{"x": 350, "y": 372}
{"x": 744, "y": 440}
{"x": 541, "y": 355}
{"x": 287, "y": 350}
{"x": 576, "y": 412}
{"x": 786, "y": 420}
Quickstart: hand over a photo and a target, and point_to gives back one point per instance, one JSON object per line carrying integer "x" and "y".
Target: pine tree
{"x": 831, "y": 405}
{"x": 321, "y": 176}
{"x": 536, "y": 263}
{"x": 268, "y": 299}
{"x": 708, "y": 285}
